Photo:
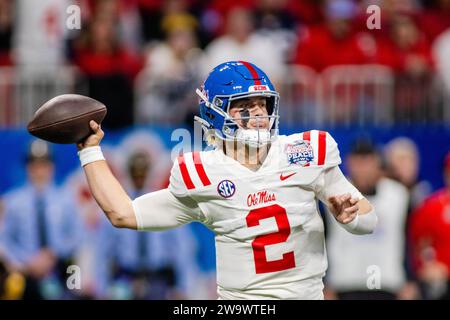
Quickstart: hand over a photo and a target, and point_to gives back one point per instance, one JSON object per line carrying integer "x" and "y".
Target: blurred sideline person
{"x": 352, "y": 262}
{"x": 402, "y": 164}
{"x": 257, "y": 190}
{"x": 41, "y": 228}
{"x": 430, "y": 236}
{"x": 155, "y": 266}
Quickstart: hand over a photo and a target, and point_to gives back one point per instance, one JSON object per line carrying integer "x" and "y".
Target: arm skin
{"x": 106, "y": 189}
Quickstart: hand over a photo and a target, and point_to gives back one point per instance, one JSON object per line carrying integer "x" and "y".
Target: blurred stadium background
{"x": 384, "y": 94}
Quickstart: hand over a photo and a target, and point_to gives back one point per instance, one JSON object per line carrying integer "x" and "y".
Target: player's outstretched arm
{"x": 105, "y": 188}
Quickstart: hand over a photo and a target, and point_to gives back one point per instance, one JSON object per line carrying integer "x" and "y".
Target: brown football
{"x": 65, "y": 118}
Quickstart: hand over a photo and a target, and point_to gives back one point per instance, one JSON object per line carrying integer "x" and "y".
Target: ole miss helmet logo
{"x": 226, "y": 188}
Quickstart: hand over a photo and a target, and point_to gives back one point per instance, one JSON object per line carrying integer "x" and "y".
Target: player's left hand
{"x": 343, "y": 207}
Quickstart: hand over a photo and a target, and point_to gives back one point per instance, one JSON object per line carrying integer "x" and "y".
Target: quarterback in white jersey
{"x": 257, "y": 191}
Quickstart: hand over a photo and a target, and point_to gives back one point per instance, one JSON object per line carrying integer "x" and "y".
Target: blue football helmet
{"x": 231, "y": 81}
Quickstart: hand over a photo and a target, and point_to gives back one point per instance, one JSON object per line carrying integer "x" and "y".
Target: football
{"x": 65, "y": 118}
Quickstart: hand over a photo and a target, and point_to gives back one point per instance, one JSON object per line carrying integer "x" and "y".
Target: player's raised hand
{"x": 94, "y": 139}
{"x": 343, "y": 207}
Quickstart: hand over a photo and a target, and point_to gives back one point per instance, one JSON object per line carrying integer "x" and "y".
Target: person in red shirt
{"x": 405, "y": 48}
{"x": 334, "y": 42}
{"x": 430, "y": 239}
{"x": 435, "y": 19}
{"x": 109, "y": 67}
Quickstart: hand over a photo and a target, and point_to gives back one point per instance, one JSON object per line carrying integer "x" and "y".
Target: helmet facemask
{"x": 235, "y": 129}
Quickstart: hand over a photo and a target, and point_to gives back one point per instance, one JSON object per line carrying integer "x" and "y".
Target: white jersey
{"x": 269, "y": 234}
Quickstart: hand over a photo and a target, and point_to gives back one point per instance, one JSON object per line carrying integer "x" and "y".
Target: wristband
{"x": 362, "y": 224}
{"x": 90, "y": 154}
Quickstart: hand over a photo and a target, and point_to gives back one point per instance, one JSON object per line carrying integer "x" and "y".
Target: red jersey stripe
{"x": 184, "y": 173}
{"x": 307, "y": 135}
{"x": 322, "y": 147}
{"x": 200, "y": 169}
{"x": 252, "y": 72}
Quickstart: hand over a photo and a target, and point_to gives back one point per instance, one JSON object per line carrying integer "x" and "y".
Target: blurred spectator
{"x": 130, "y": 26}
{"x": 435, "y": 19}
{"x": 127, "y": 17}
{"x": 212, "y": 17}
{"x": 41, "y": 228}
{"x": 148, "y": 265}
{"x": 110, "y": 69}
{"x": 402, "y": 164}
{"x": 151, "y": 14}
{"x": 274, "y": 21}
{"x": 407, "y": 51}
{"x": 241, "y": 43}
{"x": 430, "y": 236}
{"x": 39, "y": 34}
{"x": 441, "y": 54}
{"x": 166, "y": 91}
{"x": 334, "y": 42}
{"x": 350, "y": 259}
{"x": 177, "y": 12}
{"x": 308, "y": 12}
{"x": 155, "y": 13}
{"x": 6, "y": 29}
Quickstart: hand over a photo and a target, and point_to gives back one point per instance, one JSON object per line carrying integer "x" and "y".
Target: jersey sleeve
{"x": 332, "y": 155}
{"x": 325, "y": 148}
{"x": 332, "y": 182}
{"x": 171, "y": 207}
{"x": 161, "y": 210}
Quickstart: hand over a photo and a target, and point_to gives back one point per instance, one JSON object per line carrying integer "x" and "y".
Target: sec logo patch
{"x": 226, "y": 188}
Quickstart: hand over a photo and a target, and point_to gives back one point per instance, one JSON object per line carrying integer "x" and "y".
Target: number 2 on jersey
{"x": 260, "y": 242}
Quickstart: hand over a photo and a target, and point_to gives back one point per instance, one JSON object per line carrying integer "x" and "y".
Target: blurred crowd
{"x": 167, "y": 47}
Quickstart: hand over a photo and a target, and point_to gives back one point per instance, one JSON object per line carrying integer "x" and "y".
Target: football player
{"x": 256, "y": 190}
